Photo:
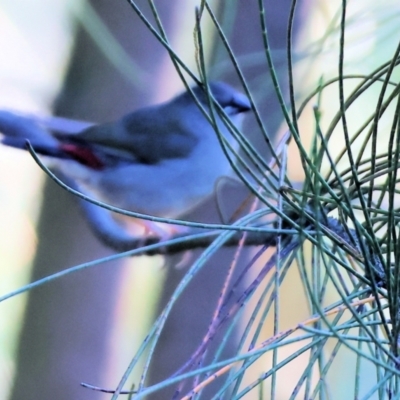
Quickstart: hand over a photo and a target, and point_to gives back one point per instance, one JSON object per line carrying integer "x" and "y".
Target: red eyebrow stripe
{"x": 83, "y": 155}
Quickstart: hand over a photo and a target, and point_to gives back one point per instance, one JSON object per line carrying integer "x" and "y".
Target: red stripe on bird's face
{"x": 83, "y": 155}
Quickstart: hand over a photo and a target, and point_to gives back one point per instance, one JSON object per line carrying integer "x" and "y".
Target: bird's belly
{"x": 167, "y": 189}
{"x": 163, "y": 190}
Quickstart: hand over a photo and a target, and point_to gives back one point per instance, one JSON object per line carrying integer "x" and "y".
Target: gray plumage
{"x": 161, "y": 160}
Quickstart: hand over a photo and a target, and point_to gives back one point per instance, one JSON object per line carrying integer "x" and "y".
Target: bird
{"x": 162, "y": 160}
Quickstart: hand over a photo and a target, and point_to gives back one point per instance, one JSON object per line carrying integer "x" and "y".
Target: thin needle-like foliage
{"x": 337, "y": 234}
{"x": 344, "y": 249}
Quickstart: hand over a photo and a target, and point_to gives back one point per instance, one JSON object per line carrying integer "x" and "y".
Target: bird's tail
{"x": 16, "y": 129}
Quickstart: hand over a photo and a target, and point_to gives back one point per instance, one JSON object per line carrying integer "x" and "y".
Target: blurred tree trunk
{"x": 64, "y": 339}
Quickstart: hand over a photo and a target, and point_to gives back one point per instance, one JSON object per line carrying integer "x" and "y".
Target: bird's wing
{"x": 147, "y": 136}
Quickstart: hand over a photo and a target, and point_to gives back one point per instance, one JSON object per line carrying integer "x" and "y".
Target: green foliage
{"x": 336, "y": 237}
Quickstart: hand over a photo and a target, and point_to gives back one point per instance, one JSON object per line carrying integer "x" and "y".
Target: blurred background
{"x": 96, "y": 61}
